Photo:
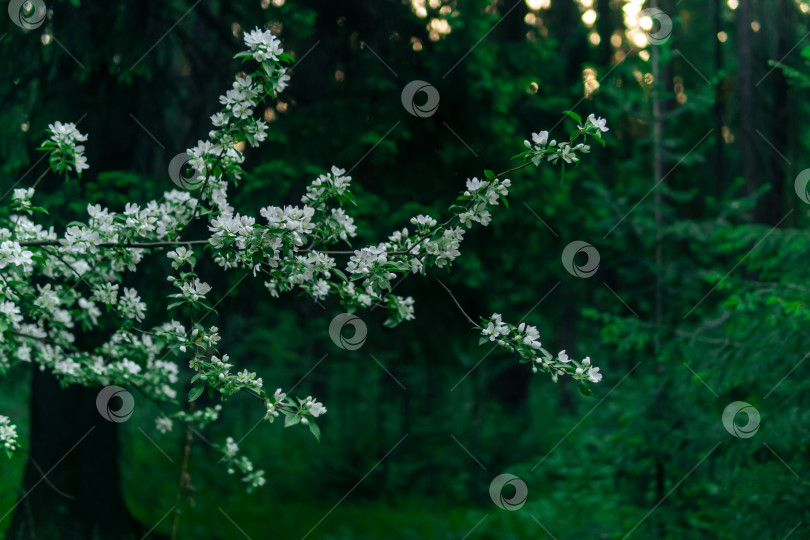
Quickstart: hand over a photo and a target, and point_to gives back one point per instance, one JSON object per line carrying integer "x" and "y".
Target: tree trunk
{"x": 78, "y": 451}
{"x": 771, "y": 207}
{"x": 747, "y": 139}
{"x": 719, "y": 100}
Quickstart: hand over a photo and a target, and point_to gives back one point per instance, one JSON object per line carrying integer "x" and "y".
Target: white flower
{"x": 474, "y": 184}
{"x": 12, "y": 312}
{"x": 163, "y": 424}
{"x": 24, "y": 353}
{"x": 344, "y": 226}
{"x": 532, "y": 336}
{"x": 567, "y": 154}
{"x": 231, "y": 448}
{"x": 540, "y": 138}
{"x": 65, "y": 137}
{"x": 282, "y": 80}
{"x": 562, "y": 357}
{"x": 594, "y": 375}
{"x": 495, "y": 328}
{"x": 291, "y": 219}
{"x": 13, "y": 253}
{"x": 106, "y": 293}
{"x": 89, "y": 307}
{"x": 404, "y": 306}
{"x": 130, "y": 305}
{"x": 423, "y": 222}
{"x": 181, "y": 256}
{"x": 8, "y": 434}
{"x": 320, "y": 290}
{"x": 195, "y": 291}
{"x": 263, "y": 44}
{"x": 316, "y": 409}
{"x": 80, "y": 161}
{"x": 128, "y": 368}
{"x": 47, "y": 300}
{"x": 599, "y": 123}
{"x": 23, "y": 197}
{"x": 368, "y": 259}
{"x": 584, "y": 148}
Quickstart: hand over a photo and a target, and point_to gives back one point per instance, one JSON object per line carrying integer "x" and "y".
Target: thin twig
{"x": 78, "y": 275}
{"x": 472, "y": 322}
{"x": 169, "y": 243}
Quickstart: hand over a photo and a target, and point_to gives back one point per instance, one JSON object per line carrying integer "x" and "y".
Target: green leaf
{"x": 313, "y": 427}
{"x": 505, "y": 202}
{"x": 573, "y": 115}
{"x": 390, "y": 322}
{"x": 483, "y": 340}
{"x": 340, "y": 274}
{"x": 196, "y": 392}
{"x": 489, "y": 174}
{"x": 585, "y": 389}
{"x": 291, "y": 420}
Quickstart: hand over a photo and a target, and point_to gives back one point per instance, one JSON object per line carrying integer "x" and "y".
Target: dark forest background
{"x": 700, "y": 299}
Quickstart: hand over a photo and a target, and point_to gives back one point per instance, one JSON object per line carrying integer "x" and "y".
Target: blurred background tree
{"x": 699, "y": 300}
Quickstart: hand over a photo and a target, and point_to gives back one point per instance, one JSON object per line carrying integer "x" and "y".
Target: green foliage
{"x": 718, "y": 315}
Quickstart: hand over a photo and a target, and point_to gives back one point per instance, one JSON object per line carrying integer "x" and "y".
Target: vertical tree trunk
{"x": 88, "y": 473}
{"x": 747, "y": 139}
{"x": 719, "y": 142}
{"x": 771, "y": 207}
{"x": 80, "y": 498}
{"x": 661, "y": 77}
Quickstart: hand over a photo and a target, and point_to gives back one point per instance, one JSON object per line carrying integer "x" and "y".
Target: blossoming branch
{"x": 79, "y": 273}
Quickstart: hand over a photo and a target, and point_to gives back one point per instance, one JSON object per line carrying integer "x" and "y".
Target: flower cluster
{"x": 525, "y": 340}
{"x": 200, "y": 417}
{"x": 8, "y": 435}
{"x": 254, "y": 478}
{"x": 181, "y": 256}
{"x": 274, "y": 405}
{"x": 541, "y": 148}
{"x": 266, "y": 49}
{"x": 371, "y": 263}
{"x": 482, "y": 194}
{"x": 263, "y": 45}
{"x": 64, "y": 154}
{"x": 21, "y": 200}
{"x": 214, "y": 372}
{"x": 302, "y": 411}
{"x": 11, "y": 253}
{"x": 332, "y": 185}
